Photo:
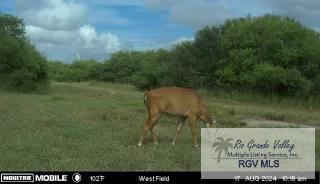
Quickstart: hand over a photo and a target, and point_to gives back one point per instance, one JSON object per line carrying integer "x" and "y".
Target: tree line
{"x": 267, "y": 54}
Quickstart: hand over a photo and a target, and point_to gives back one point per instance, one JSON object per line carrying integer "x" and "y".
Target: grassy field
{"x": 95, "y": 126}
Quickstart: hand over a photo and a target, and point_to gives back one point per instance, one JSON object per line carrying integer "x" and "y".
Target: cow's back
{"x": 174, "y": 100}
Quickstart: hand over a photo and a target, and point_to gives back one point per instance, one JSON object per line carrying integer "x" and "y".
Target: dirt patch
{"x": 273, "y": 123}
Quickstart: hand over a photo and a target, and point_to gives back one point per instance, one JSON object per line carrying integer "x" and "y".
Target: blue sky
{"x": 95, "y": 29}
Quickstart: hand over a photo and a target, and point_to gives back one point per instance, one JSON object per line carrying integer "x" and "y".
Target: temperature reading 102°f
{"x": 97, "y": 178}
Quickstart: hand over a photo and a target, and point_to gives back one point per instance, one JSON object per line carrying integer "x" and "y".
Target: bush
{"x": 270, "y": 54}
{"x": 80, "y": 70}
{"x": 274, "y": 79}
{"x": 22, "y": 67}
{"x": 143, "y": 69}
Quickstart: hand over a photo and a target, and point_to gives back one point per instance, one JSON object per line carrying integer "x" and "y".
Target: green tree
{"x": 184, "y": 70}
{"x": 11, "y": 26}
{"x": 268, "y": 41}
{"x": 144, "y": 69}
{"x": 207, "y": 51}
{"x": 21, "y": 66}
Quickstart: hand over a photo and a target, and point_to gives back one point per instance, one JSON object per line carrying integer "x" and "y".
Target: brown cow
{"x": 176, "y": 101}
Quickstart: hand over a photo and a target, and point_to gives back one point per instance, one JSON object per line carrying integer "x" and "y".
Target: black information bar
{"x": 128, "y": 177}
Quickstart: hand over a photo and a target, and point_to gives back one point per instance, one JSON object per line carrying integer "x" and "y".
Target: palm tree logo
{"x": 222, "y": 145}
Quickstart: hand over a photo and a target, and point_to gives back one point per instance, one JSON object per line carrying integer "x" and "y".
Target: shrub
{"x": 275, "y": 79}
{"x": 22, "y": 67}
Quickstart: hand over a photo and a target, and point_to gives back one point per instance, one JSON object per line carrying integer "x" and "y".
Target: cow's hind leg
{"x": 149, "y": 122}
{"x": 153, "y": 131}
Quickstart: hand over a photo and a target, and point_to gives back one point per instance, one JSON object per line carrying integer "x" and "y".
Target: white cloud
{"x": 52, "y": 14}
{"x": 306, "y": 11}
{"x": 88, "y": 34}
{"x": 115, "y": 2}
{"x": 111, "y": 41}
{"x": 91, "y": 41}
{"x": 64, "y": 45}
{"x": 203, "y": 13}
{"x": 38, "y": 34}
{"x": 193, "y": 13}
{"x": 59, "y": 30}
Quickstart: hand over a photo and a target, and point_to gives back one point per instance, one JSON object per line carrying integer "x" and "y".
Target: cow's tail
{"x": 145, "y": 97}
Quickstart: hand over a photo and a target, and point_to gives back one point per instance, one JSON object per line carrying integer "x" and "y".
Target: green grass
{"x": 95, "y": 126}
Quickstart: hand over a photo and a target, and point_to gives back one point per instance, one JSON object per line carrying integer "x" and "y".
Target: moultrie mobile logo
{"x": 50, "y": 177}
{"x": 17, "y": 177}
